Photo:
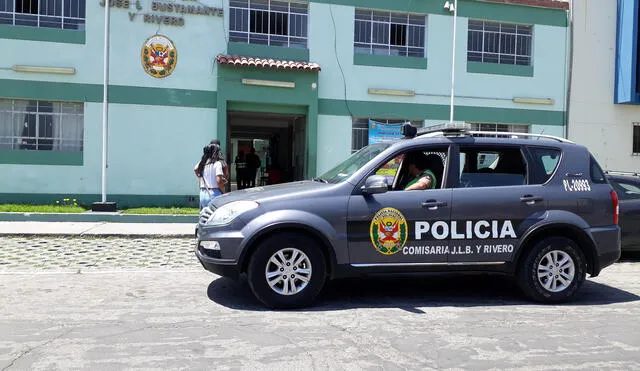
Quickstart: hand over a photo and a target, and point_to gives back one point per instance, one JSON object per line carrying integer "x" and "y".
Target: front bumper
{"x": 221, "y": 267}
{"x": 218, "y": 249}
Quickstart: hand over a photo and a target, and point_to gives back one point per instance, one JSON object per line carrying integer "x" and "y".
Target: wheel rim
{"x": 288, "y": 271}
{"x": 556, "y": 271}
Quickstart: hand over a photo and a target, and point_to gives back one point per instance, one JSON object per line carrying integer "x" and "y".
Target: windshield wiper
{"x": 320, "y": 180}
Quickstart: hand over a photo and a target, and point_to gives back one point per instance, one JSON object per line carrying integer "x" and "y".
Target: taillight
{"x": 616, "y": 206}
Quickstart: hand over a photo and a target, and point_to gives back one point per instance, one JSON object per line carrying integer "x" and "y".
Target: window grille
{"x": 360, "y": 131}
{"x": 502, "y": 43}
{"x": 41, "y": 125}
{"x": 277, "y": 23}
{"x": 388, "y": 33}
{"x": 65, "y": 14}
{"x": 510, "y": 128}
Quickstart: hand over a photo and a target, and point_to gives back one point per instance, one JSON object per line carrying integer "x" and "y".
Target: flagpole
{"x": 105, "y": 100}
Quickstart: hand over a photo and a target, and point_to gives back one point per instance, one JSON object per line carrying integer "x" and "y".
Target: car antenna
{"x": 542, "y": 132}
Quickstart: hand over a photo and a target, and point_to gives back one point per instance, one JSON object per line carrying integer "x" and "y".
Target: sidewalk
{"x": 97, "y": 229}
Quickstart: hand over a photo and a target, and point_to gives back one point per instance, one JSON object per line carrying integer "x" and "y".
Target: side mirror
{"x": 375, "y": 184}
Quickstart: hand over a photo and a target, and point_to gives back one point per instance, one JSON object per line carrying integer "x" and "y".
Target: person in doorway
{"x": 422, "y": 177}
{"x": 210, "y": 174}
{"x": 241, "y": 167}
{"x": 253, "y": 164}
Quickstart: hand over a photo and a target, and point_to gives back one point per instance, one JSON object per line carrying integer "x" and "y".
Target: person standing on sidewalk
{"x": 210, "y": 174}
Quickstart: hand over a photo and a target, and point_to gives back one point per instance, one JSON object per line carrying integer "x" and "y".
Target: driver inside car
{"x": 422, "y": 178}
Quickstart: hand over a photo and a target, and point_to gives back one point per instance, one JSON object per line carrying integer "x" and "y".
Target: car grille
{"x": 205, "y": 214}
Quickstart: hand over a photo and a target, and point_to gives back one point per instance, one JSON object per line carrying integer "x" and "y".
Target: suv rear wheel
{"x": 553, "y": 271}
{"x": 287, "y": 271}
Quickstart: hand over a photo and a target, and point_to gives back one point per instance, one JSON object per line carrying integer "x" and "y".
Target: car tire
{"x": 553, "y": 271}
{"x": 287, "y": 270}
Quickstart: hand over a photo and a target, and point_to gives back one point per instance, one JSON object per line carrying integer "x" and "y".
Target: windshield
{"x": 353, "y": 163}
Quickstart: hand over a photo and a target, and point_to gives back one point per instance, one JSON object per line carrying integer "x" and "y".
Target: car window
{"x": 353, "y": 163}
{"x": 547, "y": 160}
{"x": 491, "y": 167}
{"x": 397, "y": 172}
{"x": 390, "y": 169}
{"x": 626, "y": 190}
{"x": 597, "y": 175}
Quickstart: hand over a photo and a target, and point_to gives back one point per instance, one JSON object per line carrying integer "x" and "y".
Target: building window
{"x": 636, "y": 138}
{"x": 360, "y": 130}
{"x": 266, "y": 22}
{"x": 505, "y": 128}
{"x": 503, "y": 43}
{"x": 65, "y": 14}
{"x": 389, "y": 33}
{"x": 41, "y": 125}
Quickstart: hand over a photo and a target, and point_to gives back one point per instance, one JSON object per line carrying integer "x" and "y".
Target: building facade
{"x": 604, "y": 111}
{"x": 183, "y": 72}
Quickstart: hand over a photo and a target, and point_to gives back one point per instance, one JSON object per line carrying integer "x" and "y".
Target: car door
{"x": 491, "y": 202}
{"x": 400, "y": 227}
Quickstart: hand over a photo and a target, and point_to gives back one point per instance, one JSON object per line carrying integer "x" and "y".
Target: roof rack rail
{"x": 519, "y": 135}
{"x": 458, "y": 132}
{"x": 616, "y": 172}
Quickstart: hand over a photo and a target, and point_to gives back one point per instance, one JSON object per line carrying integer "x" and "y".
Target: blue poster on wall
{"x": 381, "y": 132}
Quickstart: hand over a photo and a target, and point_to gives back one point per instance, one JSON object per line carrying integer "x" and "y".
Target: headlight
{"x": 230, "y": 211}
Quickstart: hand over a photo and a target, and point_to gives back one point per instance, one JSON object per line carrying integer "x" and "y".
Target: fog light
{"x": 210, "y": 245}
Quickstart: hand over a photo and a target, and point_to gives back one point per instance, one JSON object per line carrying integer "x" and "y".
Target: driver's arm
{"x": 423, "y": 183}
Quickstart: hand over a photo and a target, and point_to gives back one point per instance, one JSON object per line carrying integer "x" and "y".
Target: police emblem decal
{"x": 159, "y": 56}
{"x": 388, "y": 231}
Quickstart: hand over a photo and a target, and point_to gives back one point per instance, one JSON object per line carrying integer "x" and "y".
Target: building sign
{"x": 380, "y": 132}
{"x": 159, "y": 56}
{"x": 164, "y": 12}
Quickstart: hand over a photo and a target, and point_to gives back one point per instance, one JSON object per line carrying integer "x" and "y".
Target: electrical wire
{"x": 335, "y": 51}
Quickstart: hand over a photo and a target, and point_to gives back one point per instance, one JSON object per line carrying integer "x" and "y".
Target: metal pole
{"x": 453, "y": 60}
{"x": 105, "y": 100}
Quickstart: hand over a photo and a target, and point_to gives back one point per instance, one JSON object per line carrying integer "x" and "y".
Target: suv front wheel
{"x": 553, "y": 271}
{"x": 287, "y": 271}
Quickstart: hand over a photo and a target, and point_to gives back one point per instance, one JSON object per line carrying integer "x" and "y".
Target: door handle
{"x": 433, "y": 204}
{"x": 530, "y": 200}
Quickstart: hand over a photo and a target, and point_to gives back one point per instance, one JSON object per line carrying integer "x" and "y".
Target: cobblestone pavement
{"x": 87, "y": 253}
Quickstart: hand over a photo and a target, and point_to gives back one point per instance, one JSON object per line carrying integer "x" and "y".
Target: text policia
{"x": 468, "y": 230}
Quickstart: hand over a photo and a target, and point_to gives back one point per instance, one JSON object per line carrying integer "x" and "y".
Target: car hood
{"x": 271, "y": 192}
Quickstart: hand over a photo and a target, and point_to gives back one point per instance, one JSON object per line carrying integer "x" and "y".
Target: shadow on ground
{"x": 414, "y": 292}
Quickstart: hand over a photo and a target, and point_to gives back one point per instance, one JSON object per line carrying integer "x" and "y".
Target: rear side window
{"x": 492, "y": 167}
{"x": 597, "y": 175}
{"x": 546, "y": 161}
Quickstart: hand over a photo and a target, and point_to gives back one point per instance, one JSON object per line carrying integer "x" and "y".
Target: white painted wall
{"x": 594, "y": 120}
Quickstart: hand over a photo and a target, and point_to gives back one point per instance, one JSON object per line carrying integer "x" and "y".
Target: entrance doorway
{"x": 279, "y": 142}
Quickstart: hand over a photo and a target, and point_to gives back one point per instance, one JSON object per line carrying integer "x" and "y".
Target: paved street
{"x": 114, "y": 303}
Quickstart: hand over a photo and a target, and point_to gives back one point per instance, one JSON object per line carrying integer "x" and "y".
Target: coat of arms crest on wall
{"x": 159, "y": 56}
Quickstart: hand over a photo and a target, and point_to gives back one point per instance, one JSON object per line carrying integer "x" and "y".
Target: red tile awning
{"x": 240, "y": 61}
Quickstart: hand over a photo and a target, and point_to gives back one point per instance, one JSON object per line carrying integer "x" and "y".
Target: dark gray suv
{"x": 536, "y": 207}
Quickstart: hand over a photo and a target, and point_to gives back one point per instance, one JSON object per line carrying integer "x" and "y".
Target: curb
{"x": 98, "y": 217}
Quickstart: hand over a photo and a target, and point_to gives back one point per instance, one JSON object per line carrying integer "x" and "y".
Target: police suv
{"x": 536, "y": 207}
